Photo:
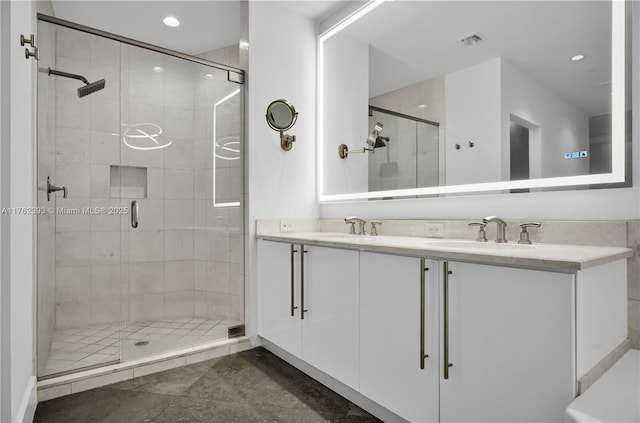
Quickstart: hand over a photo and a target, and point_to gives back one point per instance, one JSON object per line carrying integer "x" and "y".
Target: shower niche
{"x": 109, "y": 292}
{"x": 128, "y": 182}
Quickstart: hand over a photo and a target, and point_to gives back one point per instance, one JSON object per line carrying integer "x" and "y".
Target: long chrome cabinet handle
{"x": 293, "y": 253}
{"x": 134, "y": 214}
{"x": 447, "y": 272}
{"x": 302, "y": 309}
{"x": 423, "y": 269}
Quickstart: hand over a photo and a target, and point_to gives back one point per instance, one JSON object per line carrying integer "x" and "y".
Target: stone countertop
{"x": 550, "y": 257}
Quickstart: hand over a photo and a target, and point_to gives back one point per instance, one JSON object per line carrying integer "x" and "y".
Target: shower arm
{"x": 67, "y": 75}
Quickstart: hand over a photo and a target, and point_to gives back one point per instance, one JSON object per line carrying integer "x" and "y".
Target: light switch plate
{"x": 435, "y": 230}
{"x": 286, "y": 226}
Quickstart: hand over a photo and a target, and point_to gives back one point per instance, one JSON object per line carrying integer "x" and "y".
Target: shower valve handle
{"x": 53, "y": 188}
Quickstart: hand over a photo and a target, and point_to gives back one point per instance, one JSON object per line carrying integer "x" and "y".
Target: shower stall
{"x": 140, "y": 171}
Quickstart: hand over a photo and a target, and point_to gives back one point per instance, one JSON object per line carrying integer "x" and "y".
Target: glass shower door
{"x": 141, "y": 172}
{"x": 181, "y": 173}
{"x": 79, "y": 247}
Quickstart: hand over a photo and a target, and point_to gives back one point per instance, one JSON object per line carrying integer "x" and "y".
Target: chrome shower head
{"x": 91, "y": 88}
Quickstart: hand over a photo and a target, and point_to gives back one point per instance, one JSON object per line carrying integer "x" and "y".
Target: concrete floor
{"x": 251, "y": 386}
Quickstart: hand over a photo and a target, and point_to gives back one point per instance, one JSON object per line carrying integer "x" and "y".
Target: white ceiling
{"x": 417, "y": 40}
{"x": 205, "y": 25}
{"x": 412, "y": 40}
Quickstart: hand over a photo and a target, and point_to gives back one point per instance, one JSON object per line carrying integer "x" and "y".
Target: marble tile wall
{"x": 184, "y": 259}
{"x": 87, "y": 247}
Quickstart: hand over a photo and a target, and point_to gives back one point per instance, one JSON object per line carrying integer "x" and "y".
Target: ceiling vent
{"x": 472, "y": 39}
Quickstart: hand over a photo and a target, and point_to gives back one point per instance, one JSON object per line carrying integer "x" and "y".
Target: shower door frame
{"x": 234, "y": 75}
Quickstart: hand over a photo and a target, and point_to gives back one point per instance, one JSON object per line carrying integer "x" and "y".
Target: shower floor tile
{"x": 77, "y": 348}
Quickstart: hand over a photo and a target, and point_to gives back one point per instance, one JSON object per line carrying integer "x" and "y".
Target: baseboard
{"x": 27, "y": 409}
{"x": 340, "y": 388}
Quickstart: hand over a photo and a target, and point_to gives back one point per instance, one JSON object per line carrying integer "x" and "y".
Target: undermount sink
{"x": 490, "y": 245}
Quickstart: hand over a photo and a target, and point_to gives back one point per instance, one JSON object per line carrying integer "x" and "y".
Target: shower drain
{"x": 141, "y": 343}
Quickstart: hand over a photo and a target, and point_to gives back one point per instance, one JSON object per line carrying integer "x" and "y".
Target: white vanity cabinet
{"x": 279, "y": 276}
{"x": 310, "y": 305}
{"x": 393, "y": 370}
{"x": 439, "y": 338}
{"x": 510, "y": 339}
{"x": 508, "y": 334}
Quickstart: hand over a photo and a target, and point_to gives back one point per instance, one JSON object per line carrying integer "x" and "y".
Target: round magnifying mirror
{"x": 281, "y": 115}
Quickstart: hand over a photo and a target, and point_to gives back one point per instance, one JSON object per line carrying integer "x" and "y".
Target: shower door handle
{"x": 134, "y": 214}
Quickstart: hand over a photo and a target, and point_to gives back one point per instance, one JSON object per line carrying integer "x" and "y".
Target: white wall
{"x": 472, "y": 113}
{"x": 17, "y": 386}
{"x": 562, "y": 128}
{"x": 281, "y": 183}
{"x": 346, "y": 64}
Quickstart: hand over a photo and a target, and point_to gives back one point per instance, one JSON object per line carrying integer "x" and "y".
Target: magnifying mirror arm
{"x": 286, "y": 141}
{"x": 343, "y": 150}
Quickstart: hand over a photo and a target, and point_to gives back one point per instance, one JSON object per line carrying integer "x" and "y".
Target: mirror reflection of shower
{"x": 411, "y": 159}
{"x": 88, "y": 88}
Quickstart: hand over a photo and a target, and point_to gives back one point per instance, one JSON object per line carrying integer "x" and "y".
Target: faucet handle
{"x": 524, "y": 235}
{"x": 374, "y": 229}
{"x": 482, "y": 234}
{"x": 352, "y": 230}
{"x": 360, "y": 222}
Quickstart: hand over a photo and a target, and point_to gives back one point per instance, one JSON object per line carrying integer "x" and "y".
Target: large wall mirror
{"x": 474, "y": 96}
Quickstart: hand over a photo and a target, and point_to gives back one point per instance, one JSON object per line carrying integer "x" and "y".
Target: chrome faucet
{"x": 353, "y": 220}
{"x": 502, "y": 226}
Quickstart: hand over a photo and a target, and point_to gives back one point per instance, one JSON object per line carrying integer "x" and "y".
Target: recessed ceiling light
{"x": 208, "y": 76}
{"x": 158, "y": 69}
{"x": 577, "y": 57}
{"x": 171, "y": 21}
{"x": 422, "y": 106}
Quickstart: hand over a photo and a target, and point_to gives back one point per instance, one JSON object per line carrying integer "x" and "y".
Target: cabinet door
{"x": 278, "y": 289}
{"x": 511, "y": 343}
{"x": 330, "y": 325}
{"x": 390, "y": 323}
